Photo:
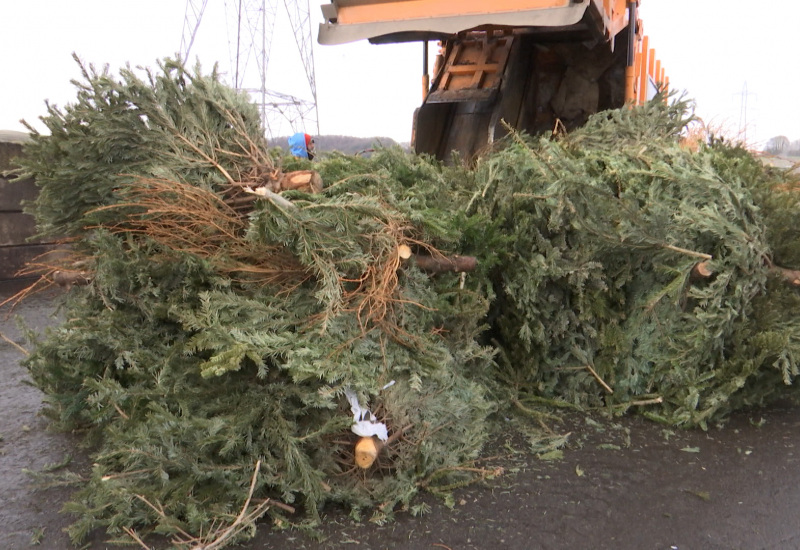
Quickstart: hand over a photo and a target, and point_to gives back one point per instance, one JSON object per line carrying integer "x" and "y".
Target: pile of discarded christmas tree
{"x": 251, "y": 334}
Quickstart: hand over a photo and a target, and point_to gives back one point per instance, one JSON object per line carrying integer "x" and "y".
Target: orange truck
{"x": 534, "y": 65}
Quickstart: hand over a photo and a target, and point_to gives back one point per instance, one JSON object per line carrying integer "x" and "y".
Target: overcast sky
{"x": 738, "y": 62}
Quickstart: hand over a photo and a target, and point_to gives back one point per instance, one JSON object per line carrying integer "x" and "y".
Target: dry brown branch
{"x": 373, "y": 294}
{"x": 43, "y": 267}
{"x": 14, "y": 344}
{"x": 193, "y": 220}
{"x": 790, "y": 276}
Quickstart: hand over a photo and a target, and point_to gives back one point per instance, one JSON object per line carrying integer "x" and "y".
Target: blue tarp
{"x": 297, "y": 145}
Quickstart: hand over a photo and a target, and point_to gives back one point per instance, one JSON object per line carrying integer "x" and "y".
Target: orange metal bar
{"x": 630, "y": 84}
{"x": 426, "y": 79}
{"x": 643, "y": 70}
{"x": 633, "y": 43}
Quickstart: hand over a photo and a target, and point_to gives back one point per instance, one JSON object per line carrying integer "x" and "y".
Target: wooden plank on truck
{"x": 473, "y": 69}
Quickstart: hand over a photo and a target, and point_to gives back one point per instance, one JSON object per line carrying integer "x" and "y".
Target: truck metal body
{"x": 533, "y": 65}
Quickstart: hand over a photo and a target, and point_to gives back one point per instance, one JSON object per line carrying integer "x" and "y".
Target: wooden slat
{"x": 16, "y": 228}
{"x": 14, "y": 258}
{"x": 14, "y": 192}
{"x": 473, "y": 70}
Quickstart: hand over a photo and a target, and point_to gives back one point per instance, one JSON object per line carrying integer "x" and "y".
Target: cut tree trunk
{"x": 308, "y": 181}
{"x": 367, "y": 449}
{"x": 441, "y": 264}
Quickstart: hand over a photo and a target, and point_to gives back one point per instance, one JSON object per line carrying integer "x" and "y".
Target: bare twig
{"x": 600, "y": 380}
{"x": 686, "y": 251}
{"x": 643, "y": 402}
{"x": 10, "y": 341}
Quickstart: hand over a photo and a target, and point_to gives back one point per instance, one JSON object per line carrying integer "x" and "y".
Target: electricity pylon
{"x": 250, "y": 30}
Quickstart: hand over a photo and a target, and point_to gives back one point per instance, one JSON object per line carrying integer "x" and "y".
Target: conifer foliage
{"x": 211, "y": 354}
{"x": 214, "y": 357}
{"x": 638, "y": 270}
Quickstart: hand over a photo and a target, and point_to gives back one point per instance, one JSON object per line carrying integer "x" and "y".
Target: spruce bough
{"x": 208, "y": 358}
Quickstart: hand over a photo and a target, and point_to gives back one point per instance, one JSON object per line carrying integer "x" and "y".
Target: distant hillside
{"x": 344, "y": 144}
